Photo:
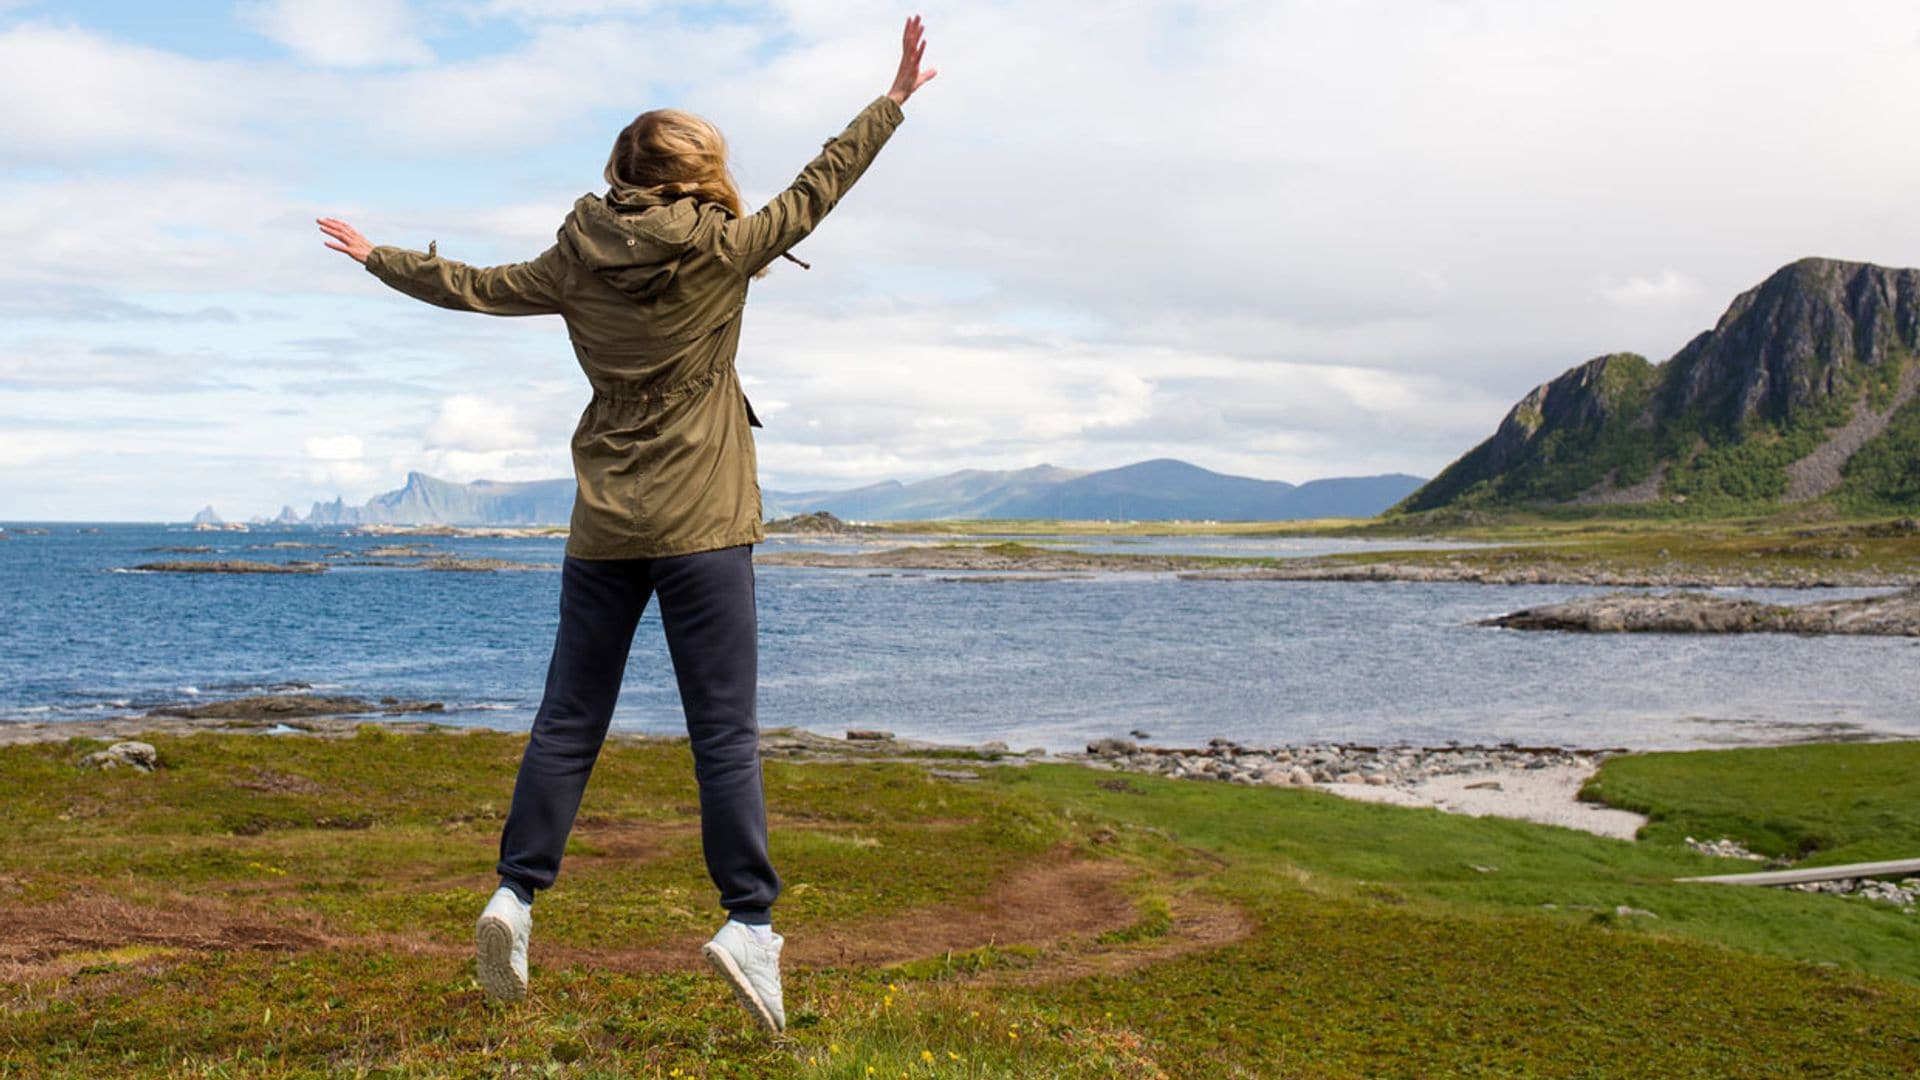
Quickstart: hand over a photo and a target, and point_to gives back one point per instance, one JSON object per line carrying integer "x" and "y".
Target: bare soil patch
{"x": 1199, "y": 923}
{"x": 40, "y": 941}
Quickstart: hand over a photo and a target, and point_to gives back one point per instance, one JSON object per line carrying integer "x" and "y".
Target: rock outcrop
{"x": 1897, "y": 614}
{"x": 1810, "y": 364}
{"x": 139, "y": 756}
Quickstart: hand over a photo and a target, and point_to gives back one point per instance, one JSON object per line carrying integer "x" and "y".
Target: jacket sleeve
{"x": 527, "y": 288}
{"x": 762, "y": 236}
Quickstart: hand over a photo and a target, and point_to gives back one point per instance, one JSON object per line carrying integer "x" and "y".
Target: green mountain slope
{"x": 1803, "y": 390}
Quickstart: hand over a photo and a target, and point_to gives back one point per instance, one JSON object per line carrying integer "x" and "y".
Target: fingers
{"x": 344, "y": 238}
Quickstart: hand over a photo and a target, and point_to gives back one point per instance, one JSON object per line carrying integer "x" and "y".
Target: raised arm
{"x": 527, "y": 288}
{"x": 761, "y": 237}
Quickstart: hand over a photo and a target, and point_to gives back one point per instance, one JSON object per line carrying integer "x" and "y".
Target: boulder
{"x": 133, "y": 755}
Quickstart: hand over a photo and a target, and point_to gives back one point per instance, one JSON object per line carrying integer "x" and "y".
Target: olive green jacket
{"x": 652, "y": 292}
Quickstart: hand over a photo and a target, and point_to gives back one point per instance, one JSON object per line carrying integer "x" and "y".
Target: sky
{"x": 1283, "y": 240}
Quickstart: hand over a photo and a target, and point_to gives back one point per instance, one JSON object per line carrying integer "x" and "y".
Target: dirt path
{"x": 1062, "y": 905}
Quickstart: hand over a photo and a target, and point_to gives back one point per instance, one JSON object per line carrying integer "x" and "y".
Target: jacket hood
{"x": 633, "y": 240}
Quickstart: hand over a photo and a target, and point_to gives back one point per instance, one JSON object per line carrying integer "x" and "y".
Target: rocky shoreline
{"x": 1549, "y": 573}
{"x": 1003, "y": 558}
{"x": 1478, "y": 568}
{"x": 398, "y": 559}
{"x": 1329, "y": 763}
{"x": 1534, "y": 783}
{"x": 1895, "y": 615}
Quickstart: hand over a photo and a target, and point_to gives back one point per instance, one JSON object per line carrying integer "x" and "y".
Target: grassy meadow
{"x": 302, "y": 906}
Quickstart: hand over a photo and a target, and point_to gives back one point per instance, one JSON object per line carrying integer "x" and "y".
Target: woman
{"x": 651, "y": 279}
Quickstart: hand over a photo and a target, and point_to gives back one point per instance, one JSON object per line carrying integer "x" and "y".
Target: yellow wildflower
{"x": 926, "y": 1056}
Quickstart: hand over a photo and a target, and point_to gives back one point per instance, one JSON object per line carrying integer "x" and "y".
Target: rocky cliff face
{"x": 1813, "y": 331}
{"x": 1813, "y": 362}
{"x": 483, "y": 502}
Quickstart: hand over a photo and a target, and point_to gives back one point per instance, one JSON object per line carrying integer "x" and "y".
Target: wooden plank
{"x": 1819, "y": 873}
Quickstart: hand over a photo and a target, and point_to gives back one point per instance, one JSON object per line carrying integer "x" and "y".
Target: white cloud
{"x": 335, "y": 447}
{"x": 340, "y": 33}
{"x": 547, "y": 10}
{"x": 1666, "y": 287}
{"x": 469, "y": 424}
{"x": 19, "y": 448}
{"x": 1283, "y": 239}
{"x": 499, "y": 102}
{"x": 69, "y": 94}
{"x": 506, "y": 465}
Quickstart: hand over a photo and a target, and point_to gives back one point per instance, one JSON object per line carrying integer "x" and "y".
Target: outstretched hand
{"x": 913, "y": 46}
{"x": 345, "y": 238}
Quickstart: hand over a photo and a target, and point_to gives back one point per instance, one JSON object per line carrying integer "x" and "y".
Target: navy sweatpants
{"x": 707, "y": 610}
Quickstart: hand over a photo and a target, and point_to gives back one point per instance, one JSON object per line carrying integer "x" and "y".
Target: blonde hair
{"x": 674, "y": 154}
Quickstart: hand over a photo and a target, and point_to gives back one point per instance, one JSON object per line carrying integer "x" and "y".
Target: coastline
{"x": 1538, "y": 784}
{"x": 1487, "y": 566}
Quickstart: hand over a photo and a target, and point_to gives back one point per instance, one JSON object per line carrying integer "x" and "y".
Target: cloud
{"x": 67, "y": 94}
{"x": 183, "y": 232}
{"x": 548, "y": 10}
{"x": 19, "y": 448}
{"x": 1281, "y": 239}
{"x": 1666, "y": 287}
{"x": 469, "y": 424}
{"x": 335, "y": 447}
{"x": 340, "y": 33}
{"x": 546, "y": 463}
{"x": 72, "y": 367}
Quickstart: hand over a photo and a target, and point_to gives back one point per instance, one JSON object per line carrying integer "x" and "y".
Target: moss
{"x": 1373, "y": 945}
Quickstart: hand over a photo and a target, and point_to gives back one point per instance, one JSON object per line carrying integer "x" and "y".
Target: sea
{"x": 1030, "y": 661}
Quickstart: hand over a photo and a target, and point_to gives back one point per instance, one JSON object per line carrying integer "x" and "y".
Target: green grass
{"x": 1821, "y": 804}
{"x": 1377, "y": 941}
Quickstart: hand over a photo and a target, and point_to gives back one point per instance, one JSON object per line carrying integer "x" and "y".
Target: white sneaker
{"x": 500, "y": 942}
{"x": 752, "y": 969}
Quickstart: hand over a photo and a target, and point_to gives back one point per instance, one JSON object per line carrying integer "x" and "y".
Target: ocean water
{"x": 1049, "y": 663}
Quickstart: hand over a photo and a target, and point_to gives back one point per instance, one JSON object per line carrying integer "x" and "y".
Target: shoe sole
{"x": 493, "y": 948}
{"x": 723, "y": 964}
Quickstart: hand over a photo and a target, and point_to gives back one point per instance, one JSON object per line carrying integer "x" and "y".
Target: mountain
{"x": 207, "y": 516}
{"x": 426, "y": 500}
{"x": 1805, "y": 389}
{"x": 1159, "y": 490}
{"x": 482, "y": 502}
{"x": 1148, "y": 491}
{"x": 969, "y": 493}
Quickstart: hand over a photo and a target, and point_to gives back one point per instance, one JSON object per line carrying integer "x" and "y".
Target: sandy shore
{"x": 1549, "y": 796}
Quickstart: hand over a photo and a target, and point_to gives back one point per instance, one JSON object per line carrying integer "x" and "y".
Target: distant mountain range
{"x": 1806, "y": 389}
{"x": 1160, "y": 490}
